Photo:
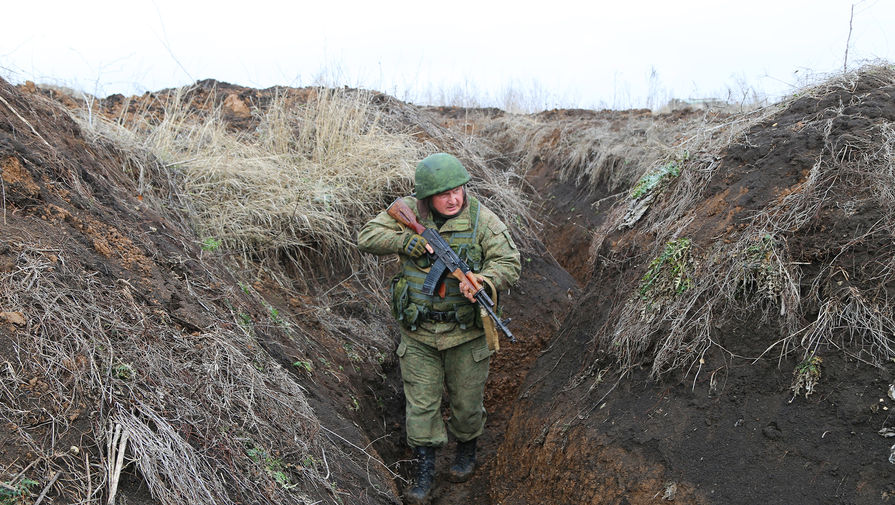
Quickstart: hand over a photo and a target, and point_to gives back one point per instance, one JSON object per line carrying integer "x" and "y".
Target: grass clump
{"x": 301, "y": 182}
{"x": 669, "y": 274}
{"x": 316, "y": 165}
{"x": 806, "y": 376}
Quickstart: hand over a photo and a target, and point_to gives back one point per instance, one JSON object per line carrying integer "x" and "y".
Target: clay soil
{"x": 565, "y": 426}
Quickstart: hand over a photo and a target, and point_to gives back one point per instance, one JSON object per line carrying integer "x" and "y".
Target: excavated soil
{"x": 729, "y": 429}
{"x": 564, "y": 426}
{"x": 67, "y": 196}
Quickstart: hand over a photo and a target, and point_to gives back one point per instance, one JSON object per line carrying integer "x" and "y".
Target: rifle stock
{"x": 403, "y": 214}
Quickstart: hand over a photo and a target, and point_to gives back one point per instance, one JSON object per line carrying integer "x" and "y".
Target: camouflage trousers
{"x": 427, "y": 373}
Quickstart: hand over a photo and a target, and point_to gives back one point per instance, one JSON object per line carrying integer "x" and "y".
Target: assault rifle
{"x": 446, "y": 261}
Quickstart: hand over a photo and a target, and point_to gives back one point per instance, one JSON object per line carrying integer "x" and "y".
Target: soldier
{"x": 442, "y": 339}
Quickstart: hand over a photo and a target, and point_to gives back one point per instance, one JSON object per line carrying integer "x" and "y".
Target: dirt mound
{"x": 120, "y": 335}
{"x": 734, "y": 342}
{"x": 233, "y": 383}
{"x": 735, "y": 326}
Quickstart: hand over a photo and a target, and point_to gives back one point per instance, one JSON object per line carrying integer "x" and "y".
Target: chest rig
{"x": 410, "y": 303}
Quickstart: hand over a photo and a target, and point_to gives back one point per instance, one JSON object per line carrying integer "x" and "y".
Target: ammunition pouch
{"x": 399, "y": 296}
{"x": 410, "y": 314}
{"x": 407, "y": 313}
{"x": 466, "y": 315}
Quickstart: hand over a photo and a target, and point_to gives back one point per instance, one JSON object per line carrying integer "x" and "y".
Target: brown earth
{"x": 66, "y": 197}
{"x": 730, "y": 429}
{"x": 565, "y": 426}
{"x": 68, "y": 202}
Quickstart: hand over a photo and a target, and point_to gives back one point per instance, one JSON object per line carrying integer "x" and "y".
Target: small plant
{"x": 309, "y": 461}
{"x": 380, "y": 403}
{"x": 274, "y": 467}
{"x": 351, "y": 353}
{"x": 211, "y": 244}
{"x": 274, "y": 313}
{"x": 657, "y": 177}
{"x": 668, "y": 275}
{"x": 305, "y": 364}
{"x": 123, "y": 371}
{"x": 762, "y": 272}
{"x": 806, "y": 376}
{"x": 12, "y": 494}
{"x": 354, "y": 403}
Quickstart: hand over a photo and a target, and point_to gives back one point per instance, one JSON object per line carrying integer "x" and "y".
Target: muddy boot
{"x": 422, "y": 477}
{"x": 464, "y": 462}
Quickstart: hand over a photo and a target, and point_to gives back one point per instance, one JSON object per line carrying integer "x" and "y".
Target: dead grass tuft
{"x": 309, "y": 174}
{"x": 302, "y": 181}
{"x": 286, "y": 196}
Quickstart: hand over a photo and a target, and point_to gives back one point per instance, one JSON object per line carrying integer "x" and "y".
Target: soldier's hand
{"x": 468, "y": 290}
{"x": 415, "y": 245}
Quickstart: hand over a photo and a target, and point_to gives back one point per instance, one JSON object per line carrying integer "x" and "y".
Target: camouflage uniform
{"x": 449, "y": 350}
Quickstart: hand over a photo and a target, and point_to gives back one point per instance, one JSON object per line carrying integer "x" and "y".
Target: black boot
{"x": 423, "y": 477}
{"x": 464, "y": 461}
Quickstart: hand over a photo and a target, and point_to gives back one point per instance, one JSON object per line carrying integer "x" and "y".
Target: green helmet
{"x": 437, "y": 173}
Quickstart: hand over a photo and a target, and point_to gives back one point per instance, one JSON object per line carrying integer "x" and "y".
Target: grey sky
{"x": 559, "y": 52}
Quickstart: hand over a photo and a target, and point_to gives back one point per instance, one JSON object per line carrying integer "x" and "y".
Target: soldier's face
{"x": 448, "y": 203}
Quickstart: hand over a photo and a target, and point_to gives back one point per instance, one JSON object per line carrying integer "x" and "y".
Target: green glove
{"x": 415, "y": 245}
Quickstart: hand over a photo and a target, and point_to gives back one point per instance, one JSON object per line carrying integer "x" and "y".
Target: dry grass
{"x": 306, "y": 178}
{"x": 191, "y": 405}
{"x": 827, "y": 305}
{"x": 585, "y": 149}
{"x": 610, "y": 151}
{"x": 301, "y": 182}
{"x": 287, "y": 197}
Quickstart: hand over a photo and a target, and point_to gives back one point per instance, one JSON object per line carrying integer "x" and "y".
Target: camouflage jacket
{"x": 499, "y": 263}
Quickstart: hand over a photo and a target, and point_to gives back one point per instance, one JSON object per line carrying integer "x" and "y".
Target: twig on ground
{"x": 25, "y": 121}
{"x": 47, "y": 488}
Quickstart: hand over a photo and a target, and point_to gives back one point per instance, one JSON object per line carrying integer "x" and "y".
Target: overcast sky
{"x": 557, "y": 52}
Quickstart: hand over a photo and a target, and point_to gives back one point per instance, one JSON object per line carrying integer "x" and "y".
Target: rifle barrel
{"x": 482, "y": 297}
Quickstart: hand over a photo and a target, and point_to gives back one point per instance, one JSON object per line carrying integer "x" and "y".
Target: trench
{"x": 551, "y": 281}
{"x": 693, "y": 439}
